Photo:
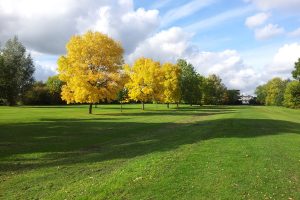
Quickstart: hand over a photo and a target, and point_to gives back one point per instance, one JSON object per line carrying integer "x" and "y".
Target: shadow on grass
{"x": 71, "y": 141}
{"x": 164, "y": 113}
{"x": 80, "y": 119}
{"x": 62, "y": 106}
{"x": 203, "y": 111}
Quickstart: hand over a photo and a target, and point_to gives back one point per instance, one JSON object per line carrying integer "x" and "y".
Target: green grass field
{"x": 191, "y": 153}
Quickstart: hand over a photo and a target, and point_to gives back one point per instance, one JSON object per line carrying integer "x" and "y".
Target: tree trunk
{"x": 177, "y": 105}
{"x": 95, "y": 105}
{"x": 11, "y": 101}
{"x": 143, "y": 106}
{"x": 90, "y": 108}
{"x": 168, "y": 105}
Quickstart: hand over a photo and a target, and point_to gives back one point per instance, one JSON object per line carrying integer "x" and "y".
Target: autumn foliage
{"x": 91, "y": 69}
{"x": 171, "y": 76}
{"x": 145, "y": 80}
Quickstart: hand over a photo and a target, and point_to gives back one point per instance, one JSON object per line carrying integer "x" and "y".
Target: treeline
{"x": 279, "y": 92}
{"x": 47, "y": 93}
{"x": 17, "y": 84}
{"x": 93, "y": 71}
{"x": 150, "y": 81}
{"x": 175, "y": 83}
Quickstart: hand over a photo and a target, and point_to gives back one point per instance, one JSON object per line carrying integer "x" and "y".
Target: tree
{"x": 2, "y": 80}
{"x": 232, "y": 97}
{"x": 54, "y": 85}
{"x": 171, "y": 86}
{"x": 292, "y": 95}
{"x": 38, "y": 94}
{"x": 261, "y": 93}
{"x": 275, "y": 92}
{"x": 91, "y": 69}
{"x": 190, "y": 83}
{"x": 16, "y": 71}
{"x": 122, "y": 96}
{"x": 145, "y": 81}
{"x": 296, "y": 72}
{"x": 214, "y": 90}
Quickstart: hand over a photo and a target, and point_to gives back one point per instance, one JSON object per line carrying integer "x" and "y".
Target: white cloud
{"x": 185, "y": 10}
{"x": 167, "y": 45}
{"x": 284, "y": 60}
{"x": 46, "y": 26}
{"x": 45, "y": 65}
{"x": 284, "y": 5}
{"x": 229, "y": 65}
{"x": 295, "y": 33}
{"x": 257, "y": 20}
{"x": 44, "y": 69}
{"x": 268, "y": 32}
{"x": 160, "y": 4}
{"x": 174, "y": 43}
{"x": 218, "y": 19}
{"x": 130, "y": 27}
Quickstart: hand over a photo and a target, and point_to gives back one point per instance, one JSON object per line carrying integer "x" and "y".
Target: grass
{"x": 191, "y": 153}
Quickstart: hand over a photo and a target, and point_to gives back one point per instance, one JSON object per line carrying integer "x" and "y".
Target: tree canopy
{"x": 171, "y": 84}
{"x": 292, "y": 95}
{"x": 275, "y": 92}
{"x": 261, "y": 93}
{"x": 16, "y": 71}
{"x": 91, "y": 69}
{"x": 145, "y": 80}
{"x": 190, "y": 83}
{"x": 296, "y": 72}
{"x": 214, "y": 90}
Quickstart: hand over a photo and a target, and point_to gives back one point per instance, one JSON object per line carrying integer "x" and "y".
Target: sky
{"x": 245, "y": 42}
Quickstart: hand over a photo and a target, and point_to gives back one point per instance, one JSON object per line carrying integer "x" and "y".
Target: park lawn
{"x": 237, "y": 152}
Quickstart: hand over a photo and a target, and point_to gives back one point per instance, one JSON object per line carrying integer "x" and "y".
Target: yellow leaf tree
{"x": 171, "y": 87}
{"x": 91, "y": 69}
{"x": 145, "y": 81}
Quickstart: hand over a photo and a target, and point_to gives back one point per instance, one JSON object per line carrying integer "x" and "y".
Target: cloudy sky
{"x": 246, "y": 42}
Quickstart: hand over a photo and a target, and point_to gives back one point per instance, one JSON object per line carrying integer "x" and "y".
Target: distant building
{"x": 245, "y": 99}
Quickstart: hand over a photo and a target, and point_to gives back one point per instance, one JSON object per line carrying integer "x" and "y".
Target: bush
{"x": 37, "y": 95}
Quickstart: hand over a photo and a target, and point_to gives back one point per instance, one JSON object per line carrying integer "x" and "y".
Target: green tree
{"x": 38, "y": 94}
{"x": 296, "y": 72}
{"x": 232, "y": 97}
{"x": 2, "y": 79}
{"x": 261, "y": 93}
{"x": 54, "y": 85}
{"x": 16, "y": 71}
{"x": 275, "y": 92}
{"x": 122, "y": 97}
{"x": 214, "y": 90}
{"x": 190, "y": 83}
{"x": 292, "y": 95}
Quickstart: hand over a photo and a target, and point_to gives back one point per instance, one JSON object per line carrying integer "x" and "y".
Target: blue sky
{"x": 245, "y": 42}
